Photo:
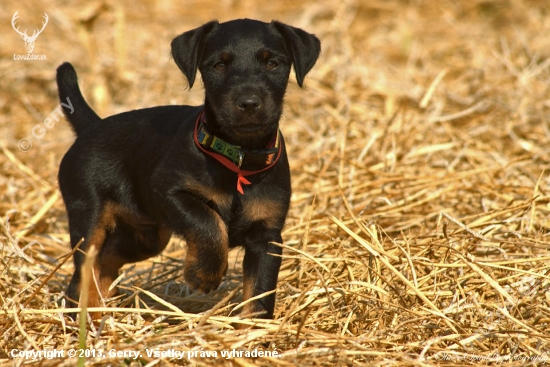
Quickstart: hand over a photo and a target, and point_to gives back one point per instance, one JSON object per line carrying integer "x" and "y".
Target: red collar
{"x": 241, "y": 174}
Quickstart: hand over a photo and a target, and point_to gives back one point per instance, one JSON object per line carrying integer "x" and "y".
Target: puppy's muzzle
{"x": 249, "y": 103}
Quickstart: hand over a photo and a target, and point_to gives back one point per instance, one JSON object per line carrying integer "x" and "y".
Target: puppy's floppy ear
{"x": 187, "y": 49}
{"x": 304, "y": 47}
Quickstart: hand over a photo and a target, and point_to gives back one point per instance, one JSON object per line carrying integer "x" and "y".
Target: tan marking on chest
{"x": 221, "y": 199}
{"x": 264, "y": 210}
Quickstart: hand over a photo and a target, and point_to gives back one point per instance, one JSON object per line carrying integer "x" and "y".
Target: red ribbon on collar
{"x": 241, "y": 174}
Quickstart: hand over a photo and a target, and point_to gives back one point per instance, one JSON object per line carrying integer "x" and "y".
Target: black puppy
{"x": 216, "y": 175}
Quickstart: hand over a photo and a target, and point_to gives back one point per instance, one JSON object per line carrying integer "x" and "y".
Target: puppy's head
{"x": 245, "y": 66}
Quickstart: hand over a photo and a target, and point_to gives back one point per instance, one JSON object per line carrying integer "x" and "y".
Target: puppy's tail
{"x": 75, "y": 108}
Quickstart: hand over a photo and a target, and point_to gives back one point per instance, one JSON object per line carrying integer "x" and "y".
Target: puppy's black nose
{"x": 249, "y": 103}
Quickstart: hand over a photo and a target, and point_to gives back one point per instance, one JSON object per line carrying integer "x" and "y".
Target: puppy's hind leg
{"x": 94, "y": 224}
{"x": 129, "y": 242}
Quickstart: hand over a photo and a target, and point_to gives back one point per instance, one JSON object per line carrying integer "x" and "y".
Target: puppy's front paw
{"x": 204, "y": 275}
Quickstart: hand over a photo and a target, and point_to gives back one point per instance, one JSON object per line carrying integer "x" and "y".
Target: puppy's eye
{"x": 271, "y": 64}
{"x": 220, "y": 66}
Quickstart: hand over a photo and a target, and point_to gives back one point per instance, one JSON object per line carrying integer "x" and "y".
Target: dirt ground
{"x": 419, "y": 226}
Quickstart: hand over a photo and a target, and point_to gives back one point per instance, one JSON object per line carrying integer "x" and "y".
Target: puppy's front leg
{"x": 260, "y": 270}
{"x": 206, "y": 237}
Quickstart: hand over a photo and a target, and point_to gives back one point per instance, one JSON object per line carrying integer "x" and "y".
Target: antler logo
{"x": 29, "y": 40}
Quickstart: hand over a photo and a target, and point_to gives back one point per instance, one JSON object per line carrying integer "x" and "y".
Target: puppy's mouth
{"x": 250, "y": 128}
{"x": 251, "y": 124}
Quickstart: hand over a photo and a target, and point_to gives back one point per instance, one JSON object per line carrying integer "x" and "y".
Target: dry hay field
{"x": 419, "y": 229}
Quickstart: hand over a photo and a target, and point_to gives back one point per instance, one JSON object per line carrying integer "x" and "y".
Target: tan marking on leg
{"x": 198, "y": 272}
{"x": 249, "y": 309}
{"x": 98, "y": 288}
{"x": 108, "y": 262}
{"x": 248, "y": 292}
